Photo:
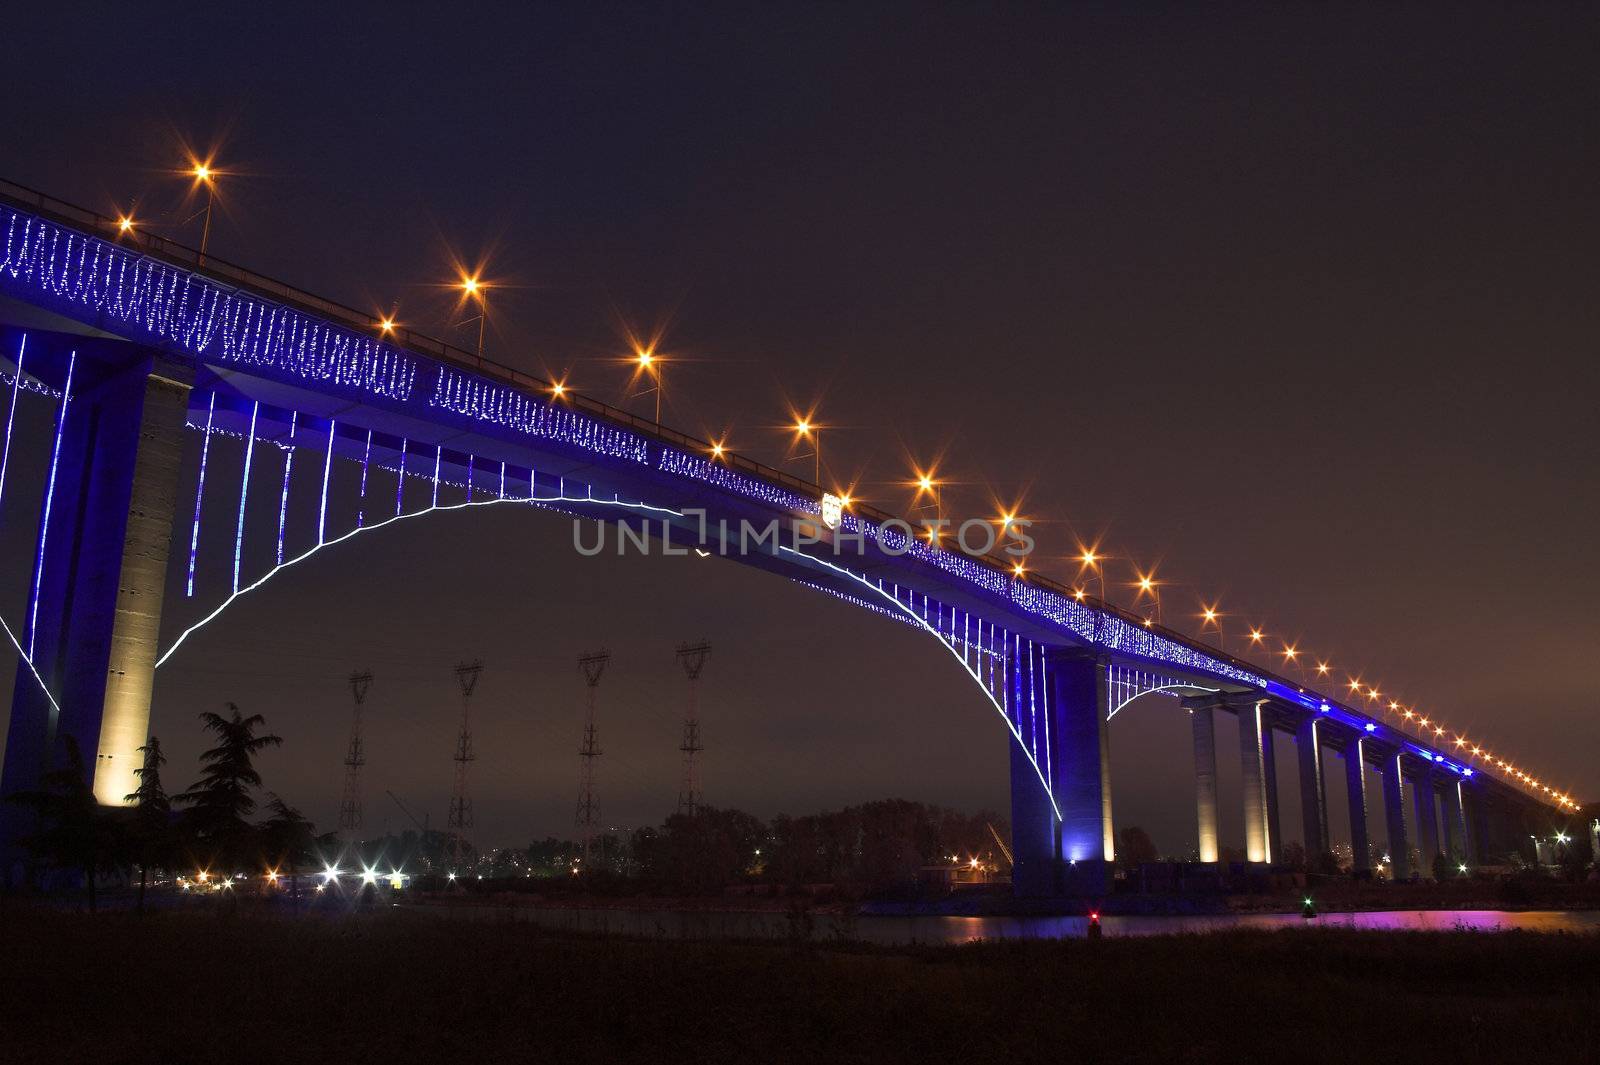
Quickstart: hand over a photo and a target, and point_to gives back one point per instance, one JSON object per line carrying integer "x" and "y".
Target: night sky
{"x": 1299, "y": 310}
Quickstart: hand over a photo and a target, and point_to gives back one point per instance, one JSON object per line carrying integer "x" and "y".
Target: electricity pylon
{"x": 692, "y": 656}
{"x": 588, "y": 814}
{"x": 354, "y": 759}
{"x": 460, "y": 801}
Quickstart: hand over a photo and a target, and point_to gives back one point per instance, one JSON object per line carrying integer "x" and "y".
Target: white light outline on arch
{"x": 564, "y": 498}
{"x": 1165, "y": 689}
{"x": 435, "y": 508}
{"x": 1016, "y": 734}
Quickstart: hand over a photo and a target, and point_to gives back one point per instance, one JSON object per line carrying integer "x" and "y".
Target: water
{"x": 899, "y": 931}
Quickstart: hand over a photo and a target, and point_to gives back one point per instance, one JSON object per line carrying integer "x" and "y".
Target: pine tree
{"x": 151, "y": 829}
{"x": 221, "y": 801}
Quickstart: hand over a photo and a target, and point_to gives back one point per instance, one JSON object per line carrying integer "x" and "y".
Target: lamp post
{"x": 806, "y": 429}
{"x": 1089, "y": 559}
{"x": 927, "y": 486}
{"x": 206, "y": 176}
{"x": 473, "y": 289}
{"x": 650, "y": 365}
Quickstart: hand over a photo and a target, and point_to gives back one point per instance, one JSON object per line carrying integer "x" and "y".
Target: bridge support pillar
{"x": 1452, "y": 824}
{"x": 1269, "y": 787}
{"x": 1072, "y": 855}
{"x": 1313, "y": 790}
{"x": 1253, "y": 778}
{"x": 1205, "y": 780}
{"x": 98, "y": 608}
{"x": 1474, "y": 811}
{"x": 1394, "y": 809}
{"x": 1355, "y": 776}
{"x": 1427, "y": 821}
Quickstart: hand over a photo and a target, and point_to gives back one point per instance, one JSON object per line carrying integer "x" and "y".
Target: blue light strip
{"x": 11, "y": 415}
{"x": 244, "y": 494}
{"x": 49, "y": 498}
{"x": 366, "y": 460}
{"x": 195, "y": 313}
{"x": 438, "y": 454}
{"x": 470, "y": 460}
{"x": 327, "y": 466}
{"x": 400, "y": 478}
{"x": 199, "y": 494}
{"x": 288, "y": 467}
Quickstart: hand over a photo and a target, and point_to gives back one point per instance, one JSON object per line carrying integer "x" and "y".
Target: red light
{"x": 1094, "y": 915}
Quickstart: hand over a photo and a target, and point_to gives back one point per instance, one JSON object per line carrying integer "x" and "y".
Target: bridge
{"x": 146, "y": 353}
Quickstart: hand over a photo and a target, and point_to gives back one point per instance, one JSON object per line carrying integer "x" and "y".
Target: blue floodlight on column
{"x": 327, "y": 467}
{"x": 366, "y": 460}
{"x": 400, "y": 478}
{"x": 49, "y": 497}
{"x": 288, "y": 467}
{"x": 502, "y": 480}
{"x": 11, "y": 416}
{"x": 244, "y": 493}
{"x": 199, "y": 493}
{"x": 1044, "y": 687}
{"x": 471, "y": 459}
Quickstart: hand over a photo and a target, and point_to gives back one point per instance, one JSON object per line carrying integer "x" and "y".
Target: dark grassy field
{"x": 192, "y": 987}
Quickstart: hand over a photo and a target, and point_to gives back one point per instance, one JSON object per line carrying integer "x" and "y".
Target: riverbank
{"x": 409, "y": 986}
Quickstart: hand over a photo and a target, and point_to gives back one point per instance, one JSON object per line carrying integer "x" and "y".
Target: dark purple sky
{"x": 1300, "y": 309}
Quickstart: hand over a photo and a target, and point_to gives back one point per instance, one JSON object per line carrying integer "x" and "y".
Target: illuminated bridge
{"x": 145, "y": 359}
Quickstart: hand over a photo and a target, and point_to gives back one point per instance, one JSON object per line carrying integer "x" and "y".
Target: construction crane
{"x": 1001, "y": 844}
{"x": 422, "y": 826}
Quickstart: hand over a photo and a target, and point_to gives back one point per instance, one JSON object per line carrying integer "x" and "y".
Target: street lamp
{"x": 1147, "y": 585}
{"x": 1089, "y": 559}
{"x": 806, "y": 429}
{"x": 472, "y": 288}
{"x": 1210, "y": 615}
{"x": 649, "y": 364}
{"x": 206, "y": 176}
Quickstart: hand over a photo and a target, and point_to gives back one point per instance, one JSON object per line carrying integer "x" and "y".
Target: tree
{"x": 150, "y": 831}
{"x": 75, "y": 832}
{"x": 1136, "y": 848}
{"x": 221, "y": 800}
{"x": 290, "y": 839}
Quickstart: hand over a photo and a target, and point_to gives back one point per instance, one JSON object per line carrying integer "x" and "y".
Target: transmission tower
{"x": 593, "y": 666}
{"x": 692, "y": 656}
{"x": 460, "y": 802}
{"x": 354, "y": 759}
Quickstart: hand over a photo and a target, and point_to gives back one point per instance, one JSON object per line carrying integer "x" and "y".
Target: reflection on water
{"x": 674, "y": 924}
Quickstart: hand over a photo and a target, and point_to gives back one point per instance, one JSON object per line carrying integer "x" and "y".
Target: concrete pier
{"x": 1072, "y": 855}
{"x": 102, "y": 573}
{"x": 1427, "y": 820}
{"x": 1356, "y": 788}
{"x": 1205, "y": 780}
{"x": 1394, "y": 810}
{"x": 1269, "y": 789}
{"x": 1257, "y": 844}
{"x": 1313, "y": 789}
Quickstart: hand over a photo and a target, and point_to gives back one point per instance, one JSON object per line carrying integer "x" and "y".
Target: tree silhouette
{"x": 75, "y": 833}
{"x": 221, "y": 800}
{"x": 150, "y": 832}
{"x": 289, "y": 839}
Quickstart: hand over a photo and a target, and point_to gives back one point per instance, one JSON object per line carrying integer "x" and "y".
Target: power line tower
{"x": 460, "y": 802}
{"x": 593, "y": 665}
{"x": 354, "y": 759}
{"x": 692, "y": 656}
